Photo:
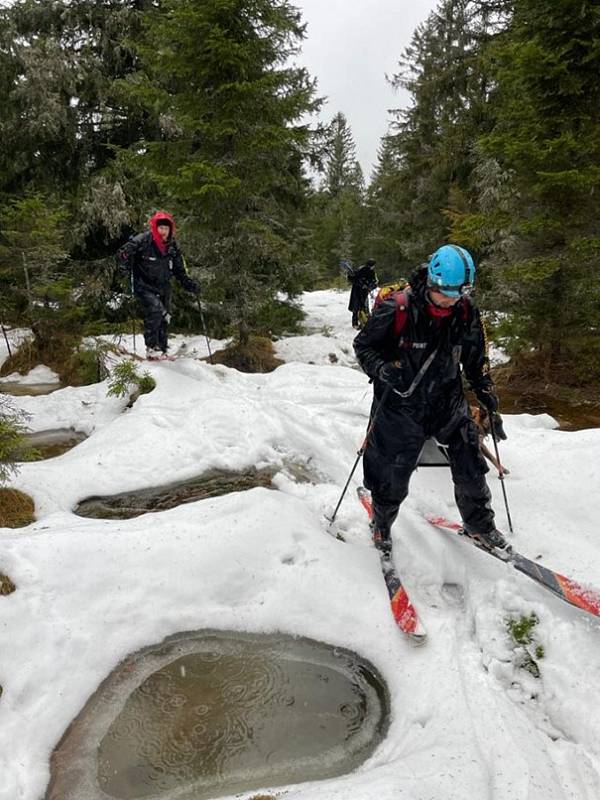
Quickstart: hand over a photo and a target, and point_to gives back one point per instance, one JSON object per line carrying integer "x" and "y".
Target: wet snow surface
{"x": 466, "y": 720}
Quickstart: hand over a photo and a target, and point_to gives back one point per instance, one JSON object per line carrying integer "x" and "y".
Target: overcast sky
{"x": 349, "y": 47}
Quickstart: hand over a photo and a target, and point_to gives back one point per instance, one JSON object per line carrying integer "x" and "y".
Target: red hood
{"x": 162, "y": 246}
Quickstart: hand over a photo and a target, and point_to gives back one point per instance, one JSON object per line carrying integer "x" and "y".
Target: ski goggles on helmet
{"x": 463, "y": 290}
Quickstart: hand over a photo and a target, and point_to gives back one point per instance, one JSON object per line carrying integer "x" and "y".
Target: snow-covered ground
{"x": 466, "y": 720}
{"x": 38, "y": 375}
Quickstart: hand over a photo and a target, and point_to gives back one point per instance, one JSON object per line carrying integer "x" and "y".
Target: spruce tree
{"x": 62, "y": 110}
{"x": 429, "y": 150}
{"x": 546, "y": 140}
{"x": 342, "y": 170}
{"x": 233, "y": 145}
{"x": 336, "y": 221}
{"x": 385, "y": 226}
{"x": 35, "y": 286}
{"x": 64, "y": 113}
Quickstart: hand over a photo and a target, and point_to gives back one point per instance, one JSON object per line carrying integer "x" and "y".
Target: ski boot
{"x": 493, "y": 540}
{"x": 154, "y": 354}
{"x": 382, "y": 540}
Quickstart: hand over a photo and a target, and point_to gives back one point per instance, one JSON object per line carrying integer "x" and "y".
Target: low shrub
{"x": 126, "y": 380}
{"x": 16, "y": 508}
{"x": 257, "y": 355}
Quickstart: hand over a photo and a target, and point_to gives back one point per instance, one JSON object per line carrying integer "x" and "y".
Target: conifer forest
{"x": 113, "y": 110}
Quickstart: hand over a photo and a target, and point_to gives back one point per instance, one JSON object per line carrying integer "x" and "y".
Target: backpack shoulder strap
{"x": 401, "y": 299}
{"x": 466, "y": 309}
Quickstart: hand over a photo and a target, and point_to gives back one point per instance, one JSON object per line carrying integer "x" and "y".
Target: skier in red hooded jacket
{"x": 151, "y": 258}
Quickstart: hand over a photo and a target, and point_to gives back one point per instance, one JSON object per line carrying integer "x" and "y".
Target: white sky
{"x": 349, "y": 47}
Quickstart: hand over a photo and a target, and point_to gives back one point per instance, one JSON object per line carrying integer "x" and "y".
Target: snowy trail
{"x": 466, "y": 721}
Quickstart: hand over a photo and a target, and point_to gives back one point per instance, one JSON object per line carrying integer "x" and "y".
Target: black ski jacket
{"x": 363, "y": 281}
{"x": 437, "y": 400}
{"x": 152, "y": 269}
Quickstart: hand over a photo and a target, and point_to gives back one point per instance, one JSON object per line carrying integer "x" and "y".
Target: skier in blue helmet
{"x": 416, "y": 347}
{"x": 451, "y": 271}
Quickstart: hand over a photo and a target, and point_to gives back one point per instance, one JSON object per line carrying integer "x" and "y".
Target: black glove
{"x": 488, "y": 399}
{"x": 391, "y": 373}
{"x": 498, "y": 426}
{"x": 122, "y": 261}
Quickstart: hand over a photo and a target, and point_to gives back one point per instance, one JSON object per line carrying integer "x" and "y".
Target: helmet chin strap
{"x": 437, "y": 305}
{"x": 436, "y": 311}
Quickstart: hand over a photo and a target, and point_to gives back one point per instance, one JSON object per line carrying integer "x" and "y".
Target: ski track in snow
{"x": 467, "y": 721}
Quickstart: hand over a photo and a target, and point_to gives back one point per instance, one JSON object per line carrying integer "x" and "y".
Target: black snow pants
{"x": 392, "y": 454}
{"x": 155, "y": 310}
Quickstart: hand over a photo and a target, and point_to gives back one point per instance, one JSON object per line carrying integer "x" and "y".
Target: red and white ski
{"x": 403, "y": 610}
{"x": 568, "y": 590}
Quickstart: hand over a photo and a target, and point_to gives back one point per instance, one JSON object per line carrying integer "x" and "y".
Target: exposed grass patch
{"x": 263, "y": 797}
{"x": 6, "y": 585}
{"x": 16, "y": 508}
{"x": 527, "y": 651}
{"x": 258, "y": 355}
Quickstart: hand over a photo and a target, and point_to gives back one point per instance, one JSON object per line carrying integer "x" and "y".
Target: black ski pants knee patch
{"x": 155, "y": 309}
{"x": 392, "y": 454}
{"x": 471, "y": 492}
{"x": 466, "y": 460}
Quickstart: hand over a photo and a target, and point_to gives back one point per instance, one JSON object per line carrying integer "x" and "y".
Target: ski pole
{"x": 204, "y": 328}
{"x": 6, "y": 340}
{"x": 132, "y": 310}
{"x": 501, "y": 476}
{"x": 360, "y": 453}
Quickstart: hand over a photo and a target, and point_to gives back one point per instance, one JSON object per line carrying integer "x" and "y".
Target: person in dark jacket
{"x": 152, "y": 258}
{"x": 363, "y": 281}
{"x": 418, "y": 392}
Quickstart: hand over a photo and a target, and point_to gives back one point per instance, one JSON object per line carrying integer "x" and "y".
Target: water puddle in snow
{"x": 26, "y": 389}
{"x": 52, "y": 443}
{"x": 570, "y": 416}
{"x": 208, "y": 714}
{"x": 160, "y": 498}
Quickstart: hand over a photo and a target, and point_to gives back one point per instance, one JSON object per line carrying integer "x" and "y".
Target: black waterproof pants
{"x": 358, "y": 302}
{"x": 155, "y": 310}
{"x": 392, "y": 454}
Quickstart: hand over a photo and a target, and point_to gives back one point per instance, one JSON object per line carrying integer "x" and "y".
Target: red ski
{"x": 568, "y": 590}
{"x": 403, "y": 610}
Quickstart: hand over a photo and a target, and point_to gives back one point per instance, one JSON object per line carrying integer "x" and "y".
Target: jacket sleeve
{"x": 373, "y": 342}
{"x": 180, "y": 270}
{"x": 475, "y": 359}
{"x": 125, "y": 256}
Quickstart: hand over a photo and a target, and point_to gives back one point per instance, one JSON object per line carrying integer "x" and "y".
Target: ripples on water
{"x": 234, "y": 712}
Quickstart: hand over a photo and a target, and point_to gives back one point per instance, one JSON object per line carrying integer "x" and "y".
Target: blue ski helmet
{"x": 451, "y": 270}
